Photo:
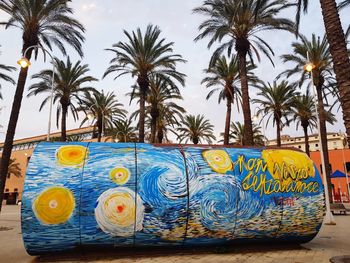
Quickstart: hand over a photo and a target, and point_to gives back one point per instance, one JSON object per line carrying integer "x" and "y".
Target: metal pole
{"x": 329, "y": 219}
{"x": 345, "y": 170}
{"x": 52, "y": 84}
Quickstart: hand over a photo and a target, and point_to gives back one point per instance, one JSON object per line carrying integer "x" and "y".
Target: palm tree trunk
{"x": 154, "y": 116}
{"x": 99, "y": 128}
{"x": 11, "y": 129}
{"x": 160, "y": 135}
{"x": 278, "y": 132}
{"x": 248, "y": 127}
{"x": 143, "y": 83}
{"x": 195, "y": 140}
{"x": 306, "y": 136}
{"x": 227, "y": 122}
{"x": 338, "y": 49}
{"x": 64, "y": 123}
{"x": 323, "y": 135}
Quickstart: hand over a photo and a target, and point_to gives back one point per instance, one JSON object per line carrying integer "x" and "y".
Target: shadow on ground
{"x": 141, "y": 253}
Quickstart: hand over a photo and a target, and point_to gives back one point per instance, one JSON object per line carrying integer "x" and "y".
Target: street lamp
{"x": 329, "y": 219}
{"x": 343, "y": 138}
{"x": 258, "y": 116}
{"x": 24, "y": 63}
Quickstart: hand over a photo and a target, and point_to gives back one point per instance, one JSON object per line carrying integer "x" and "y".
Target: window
{"x": 6, "y": 190}
{"x": 316, "y": 145}
{"x": 299, "y": 146}
{"x": 16, "y": 190}
{"x": 347, "y": 164}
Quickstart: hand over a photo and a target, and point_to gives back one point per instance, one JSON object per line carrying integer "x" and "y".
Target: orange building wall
{"x": 337, "y": 158}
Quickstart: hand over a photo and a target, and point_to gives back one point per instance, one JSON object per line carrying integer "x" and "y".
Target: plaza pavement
{"x": 331, "y": 241}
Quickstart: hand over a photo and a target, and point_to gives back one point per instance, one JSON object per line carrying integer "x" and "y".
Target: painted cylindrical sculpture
{"x": 127, "y": 194}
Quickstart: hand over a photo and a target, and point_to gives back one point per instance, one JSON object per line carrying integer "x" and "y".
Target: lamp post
{"x": 329, "y": 219}
{"x": 256, "y": 118}
{"x": 24, "y": 62}
{"x": 343, "y": 137}
{"x": 92, "y": 116}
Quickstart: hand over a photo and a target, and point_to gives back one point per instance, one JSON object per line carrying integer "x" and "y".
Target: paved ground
{"x": 331, "y": 241}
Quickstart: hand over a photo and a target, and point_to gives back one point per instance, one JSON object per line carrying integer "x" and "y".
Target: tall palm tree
{"x": 68, "y": 87}
{"x": 196, "y": 129}
{"x": 3, "y": 75}
{"x": 14, "y": 168}
{"x": 169, "y": 115}
{"x": 237, "y": 133}
{"x": 103, "y": 109}
{"x": 337, "y": 49}
{"x": 223, "y": 77}
{"x": 159, "y": 104}
{"x": 304, "y": 115}
{"x": 276, "y": 101}
{"x": 143, "y": 56}
{"x": 43, "y": 23}
{"x": 240, "y": 21}
{"x": 123, "y": 131}
{"x": 320, "y": 57}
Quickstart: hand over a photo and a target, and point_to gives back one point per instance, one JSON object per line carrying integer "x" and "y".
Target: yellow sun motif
{"x": 218, "y": 160}
{"x": 119, "y": 175}
{"x": 288, "y": 164}
{"x": 71, "y": 155}
{"x": 54, "y": 205}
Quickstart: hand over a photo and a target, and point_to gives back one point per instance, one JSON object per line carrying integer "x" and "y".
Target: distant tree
{"x": 304, "y": 115}
{"x": 145, "y": 56}
{"x": 4, "y": 76}
{"x": 161, "y": 107}
{"x": 123, "y": 131}
{"x": 276, "y": 101}
{"x": 68, "y": 87}
{"x": 104, "y": 110}
{"x": 241, "y": 23}
{"x": 14, "y": 168}
{"x": 196, "y": 129}
{"x": 223, "y": 77}
{"x": 237, "y": 134}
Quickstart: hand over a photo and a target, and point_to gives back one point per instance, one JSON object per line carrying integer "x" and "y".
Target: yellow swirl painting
{"x": 218, "y": 160}
{"x": 54, "y": 205}
{"x": 119, "y": 175}
{"x": 288, "y": 164}
{"x": 116, "y": 213}
{"x": 71, "y": 155}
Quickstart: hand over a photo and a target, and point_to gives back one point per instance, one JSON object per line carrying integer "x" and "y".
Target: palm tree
{"x": 195, "y": 129}
{"x": 68, "y": 81}
{"x": 161, "y": 109}
{"x": 104, "y": 110}
{"x": 304, "y": 115}
{"x": 241, "y": 21}
{"x": 320, "y": 57}
{"x": 123, "y": 131}
{"x": 276, "y": 101}
{"x": 43, "y": 23}
{"x": 338, "y": 51}
{"x": 223, "y": 77}
{"x": 4, "y": 76}
{"x": 237, "y": 133}
{"x": 343, "y": 4}
{"x": 14, "y": 168}
{"x": 143, "y": 56}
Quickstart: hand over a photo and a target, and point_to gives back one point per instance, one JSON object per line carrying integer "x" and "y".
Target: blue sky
{"x": 104, "y": 22}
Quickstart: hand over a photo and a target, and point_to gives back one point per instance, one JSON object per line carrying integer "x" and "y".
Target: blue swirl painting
{"x": 127, "y": 194}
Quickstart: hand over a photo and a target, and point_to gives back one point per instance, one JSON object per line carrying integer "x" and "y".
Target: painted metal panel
{"x": 143, "y": 195}
{"x": 51, "y": 197}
